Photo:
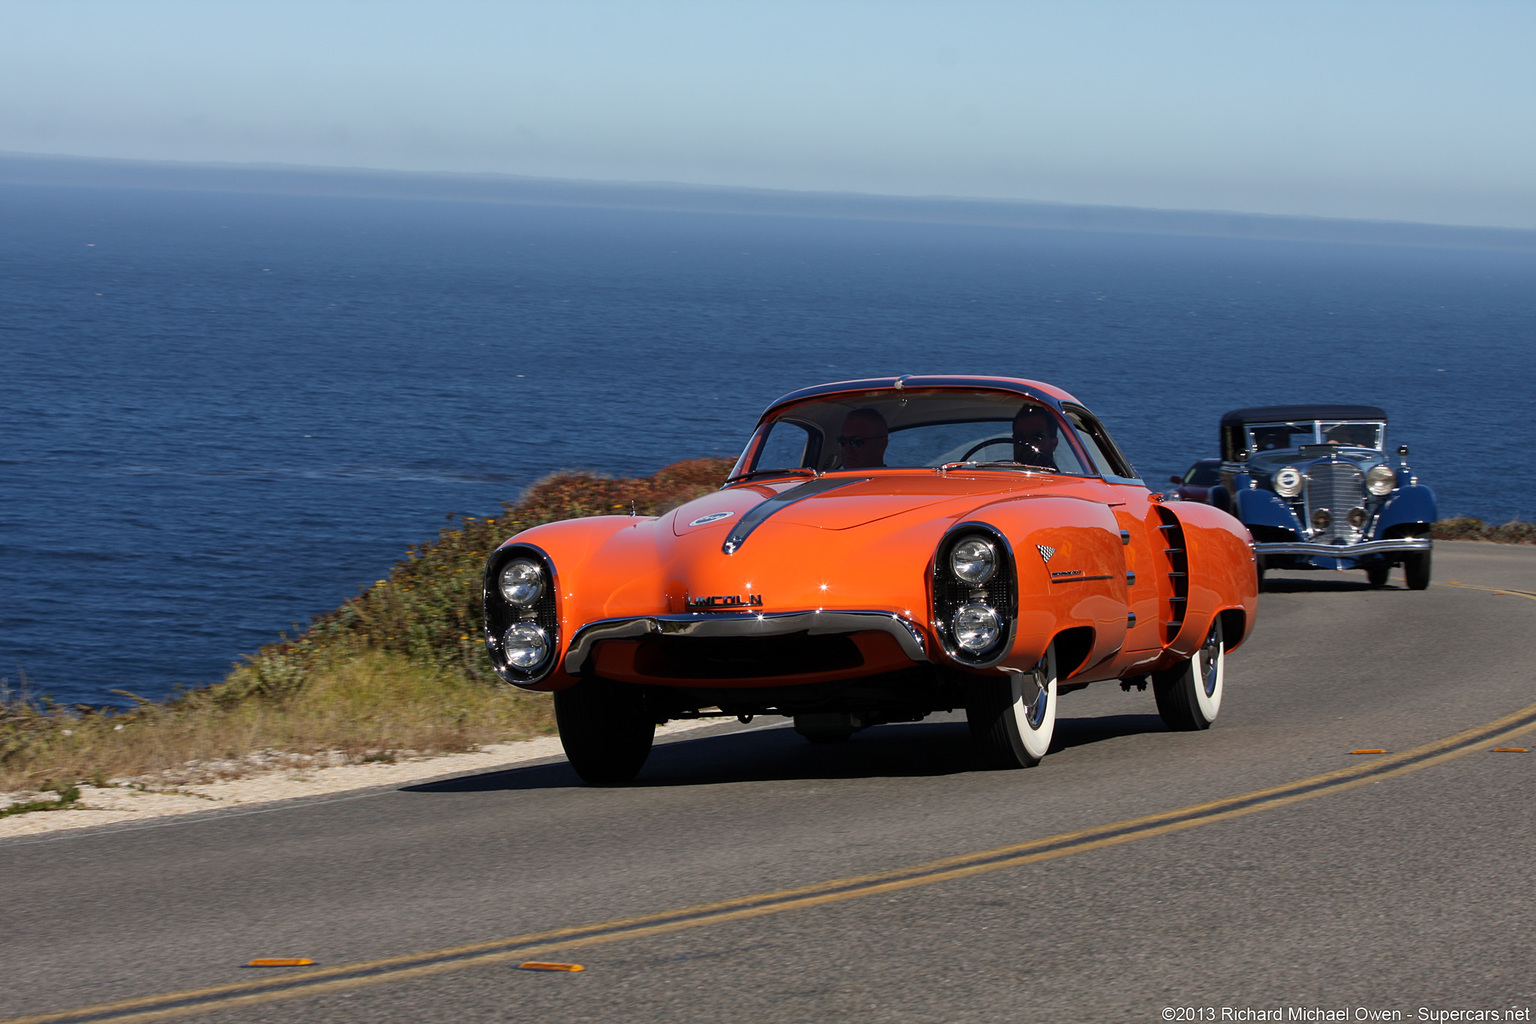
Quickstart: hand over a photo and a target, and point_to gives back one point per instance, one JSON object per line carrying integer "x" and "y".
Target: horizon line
{"x": 24, "y": 168}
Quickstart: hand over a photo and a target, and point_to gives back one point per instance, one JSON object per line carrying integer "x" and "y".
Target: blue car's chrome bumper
{"x": 1370, "y": 547}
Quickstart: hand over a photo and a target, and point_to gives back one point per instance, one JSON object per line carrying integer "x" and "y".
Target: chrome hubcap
{"x": 1210, "y": 661}
{"x": 1038, "y": 702}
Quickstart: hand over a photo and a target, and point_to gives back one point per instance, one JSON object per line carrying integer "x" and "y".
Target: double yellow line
{"x": 520, "y": 947}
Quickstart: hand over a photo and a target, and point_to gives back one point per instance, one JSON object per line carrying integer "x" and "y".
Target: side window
{"x": 1106, "y": 457}
{"x": 787, "y": 446}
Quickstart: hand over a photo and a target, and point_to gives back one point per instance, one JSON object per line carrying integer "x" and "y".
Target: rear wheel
{"x": 1416, "y": 570}
{"x": 1013, "y": 718}
{"x": 1189, "y": 695}
{"x": 606, "y": 730}
{"x": 1377, "y": 575}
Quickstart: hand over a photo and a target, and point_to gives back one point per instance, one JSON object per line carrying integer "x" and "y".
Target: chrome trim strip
{"x": 1372, "y": 547}
{"x": 815, "y": 623}
{"x": 759, "y": 513}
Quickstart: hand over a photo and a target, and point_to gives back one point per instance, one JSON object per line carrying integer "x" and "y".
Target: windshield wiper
{"x": 797, "y": 471}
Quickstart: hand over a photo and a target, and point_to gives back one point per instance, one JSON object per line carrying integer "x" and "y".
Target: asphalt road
{"x": 1398, "y": 882}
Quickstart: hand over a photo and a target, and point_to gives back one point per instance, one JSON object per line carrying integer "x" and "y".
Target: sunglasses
{"x": 857, "y": 442}
{"x": 1036, "y": 436}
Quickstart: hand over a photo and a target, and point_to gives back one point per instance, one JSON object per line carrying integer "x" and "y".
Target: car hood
{"x": 840, "y": 501}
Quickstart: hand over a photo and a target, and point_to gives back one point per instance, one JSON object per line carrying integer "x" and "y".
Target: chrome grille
{"x": 1337, "y": 487}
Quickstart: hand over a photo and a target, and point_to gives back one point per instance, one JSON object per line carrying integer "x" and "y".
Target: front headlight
{"x": 977, "y": 628}
{"x": 521, "y": 582}
{"x": 525, "y": 646}
{"x": 973, "y": 560}
{"x": 1380, "y": 480}
{"x": 1288, "y": 482}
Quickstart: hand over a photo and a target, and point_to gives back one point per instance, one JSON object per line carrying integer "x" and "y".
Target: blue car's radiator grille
{"x": 1334, "y": 487}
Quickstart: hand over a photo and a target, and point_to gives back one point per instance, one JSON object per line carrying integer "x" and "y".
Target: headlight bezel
{"x": 501, "y": 614}
{"x": 1288, "y": 482}
{"x": 998, "y": 593}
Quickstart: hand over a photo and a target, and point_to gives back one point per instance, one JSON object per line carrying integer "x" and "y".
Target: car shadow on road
{"x": 918, "y": 750}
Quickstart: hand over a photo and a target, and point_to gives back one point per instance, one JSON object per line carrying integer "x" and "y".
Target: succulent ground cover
{"x": 398, "y": 670}
{"x": 1468, "y": 528}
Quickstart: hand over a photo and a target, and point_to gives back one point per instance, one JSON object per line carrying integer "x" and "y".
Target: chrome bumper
{"x": 753, "y": 624}
{"x": 1370, "y": 547}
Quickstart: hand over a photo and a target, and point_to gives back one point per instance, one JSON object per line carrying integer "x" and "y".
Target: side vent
{"x": 1176, "y": 565}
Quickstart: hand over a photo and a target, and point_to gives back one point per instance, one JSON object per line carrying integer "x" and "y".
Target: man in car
{"x": 863, "y": 440}
{"x": 1034, "y": 438}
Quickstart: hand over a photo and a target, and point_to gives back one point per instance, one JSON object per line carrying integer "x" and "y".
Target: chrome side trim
{"x": 1372, "y": 547}
{"x": 815, "y": 623}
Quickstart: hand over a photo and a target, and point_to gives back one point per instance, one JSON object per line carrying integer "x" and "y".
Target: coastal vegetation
{"x": 396, "y": 671}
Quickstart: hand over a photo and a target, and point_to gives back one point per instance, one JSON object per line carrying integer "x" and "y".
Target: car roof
{"x": 1281, "y": 413}
{"x": 1049, "y": 395}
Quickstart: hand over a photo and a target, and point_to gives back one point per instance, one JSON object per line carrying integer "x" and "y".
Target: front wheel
{"x": 1416, "y": 570}
{"x": 1377, "y": 575}
{"x": 1189, "y": 695}
{"x": 1013, "y": 718}
{"x": 606, "y": 730}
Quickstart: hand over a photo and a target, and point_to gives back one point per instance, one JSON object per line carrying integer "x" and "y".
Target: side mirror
{"x": 1175, "y": 479}
{"x": 1402, "y": 450}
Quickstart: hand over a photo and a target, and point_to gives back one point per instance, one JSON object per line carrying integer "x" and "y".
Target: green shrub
{"x": 400, "y": 667}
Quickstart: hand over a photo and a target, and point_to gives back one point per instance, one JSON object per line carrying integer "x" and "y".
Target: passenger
{"x": 1034, "y": 438}
{"x": 863, "y": 440}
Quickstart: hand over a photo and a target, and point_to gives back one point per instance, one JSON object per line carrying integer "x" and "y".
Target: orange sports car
{"x": 883, "y": 550}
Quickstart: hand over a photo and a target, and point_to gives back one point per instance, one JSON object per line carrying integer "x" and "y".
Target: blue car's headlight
{"x": 1288, "y": 482}
{"x": 1380, "y": 480}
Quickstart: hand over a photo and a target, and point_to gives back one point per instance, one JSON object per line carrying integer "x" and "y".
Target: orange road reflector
{"x": 1511, "y": 750}
{"x": 280, "y": 961}
{"x": 1372, "y": 750}
{"x": 536, "y": 965}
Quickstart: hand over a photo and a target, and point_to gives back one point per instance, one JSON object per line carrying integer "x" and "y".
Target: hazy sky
{"x": 1389, "y": 110}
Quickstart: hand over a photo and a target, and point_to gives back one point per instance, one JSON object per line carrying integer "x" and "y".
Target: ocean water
{"x": 221, "y": 414}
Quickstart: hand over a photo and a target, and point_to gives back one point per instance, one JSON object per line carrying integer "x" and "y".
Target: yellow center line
{"x": 1492, "y": 590}
{"x": 416, "y": 965}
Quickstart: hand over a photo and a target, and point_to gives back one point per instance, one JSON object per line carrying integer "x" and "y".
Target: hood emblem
{"x": 1045, "y": 553}
{"x": 713, "y": 517}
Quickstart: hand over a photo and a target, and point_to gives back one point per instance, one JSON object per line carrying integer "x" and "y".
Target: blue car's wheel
{"x": 1416, "y": 570}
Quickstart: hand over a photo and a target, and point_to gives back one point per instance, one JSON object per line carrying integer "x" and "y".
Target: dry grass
{"x": 373, "y": 706}
{"x": 398, "y": 669}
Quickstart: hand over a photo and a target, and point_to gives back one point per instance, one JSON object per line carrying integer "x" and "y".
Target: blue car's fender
{"x": 1265, "y": 508}
{"x": 1414, "y": 504}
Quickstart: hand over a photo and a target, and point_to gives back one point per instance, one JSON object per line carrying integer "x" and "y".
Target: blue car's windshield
{"x": 1268, "y": 437}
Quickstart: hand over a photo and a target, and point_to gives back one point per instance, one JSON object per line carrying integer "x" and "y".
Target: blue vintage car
{"x": 1318, "y": 489}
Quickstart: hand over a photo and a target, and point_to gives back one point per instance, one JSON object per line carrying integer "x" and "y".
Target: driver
{"x": 1034, "y": 438}
{"x": 863, "y": 440}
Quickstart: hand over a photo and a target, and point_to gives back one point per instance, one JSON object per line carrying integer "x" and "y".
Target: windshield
{"x": 1266, "y": 437}
{"x": 913, "y": 429}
